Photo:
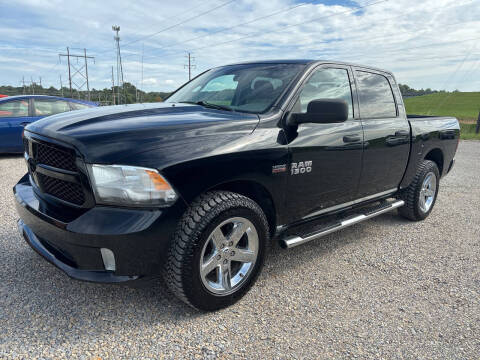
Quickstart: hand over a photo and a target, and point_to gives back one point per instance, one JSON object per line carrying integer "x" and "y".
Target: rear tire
{"x": 217, "y": 250}
{"x": 421, "y": 194}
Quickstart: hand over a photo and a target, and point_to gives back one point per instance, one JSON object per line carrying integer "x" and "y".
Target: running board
{"x": 293, "y": 241}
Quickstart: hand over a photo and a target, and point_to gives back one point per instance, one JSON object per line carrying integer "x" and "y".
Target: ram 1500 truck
{"x": 195, "y": 187}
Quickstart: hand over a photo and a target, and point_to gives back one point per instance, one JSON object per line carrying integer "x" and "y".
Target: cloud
{"x": 150, "y": 81}
{"x": 427, "y": 43}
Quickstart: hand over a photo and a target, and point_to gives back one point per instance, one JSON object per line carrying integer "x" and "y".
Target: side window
{"x": 376, "y": 97}
{"x": 14, "y": 108}
{"x": 46, "y": 107}
{"x": 326, "y": 83}
{"x": 78, "y": 106}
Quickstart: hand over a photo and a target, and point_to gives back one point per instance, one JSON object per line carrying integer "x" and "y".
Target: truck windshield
{"x": 249, "y": 88}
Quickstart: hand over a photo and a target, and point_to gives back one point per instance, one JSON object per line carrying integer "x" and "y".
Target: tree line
{"x": 130, "y": 94}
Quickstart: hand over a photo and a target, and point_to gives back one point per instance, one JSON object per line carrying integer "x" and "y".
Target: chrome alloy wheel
{"x": 427, "y": 192}
{"x": 229, "y": 255}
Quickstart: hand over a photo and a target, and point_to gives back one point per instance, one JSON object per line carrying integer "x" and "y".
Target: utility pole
{"x": 86, "y": 71}
{"x": 477, "y": 128}
{"x": 190, "y": 66}
{"x": 81, "y": 71}
{"x": 69, "y": 75}
{"x": 116, "y": 29}
{"x": 61, "y": 86}
{"x": 113, "y": 88}
{"x": 141, "y": 83}
{"x": 23, "y": 83}
{"x": 32, "y": 85}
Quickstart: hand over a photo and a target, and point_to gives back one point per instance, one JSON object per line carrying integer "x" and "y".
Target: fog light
{"x": 108, "y": 259}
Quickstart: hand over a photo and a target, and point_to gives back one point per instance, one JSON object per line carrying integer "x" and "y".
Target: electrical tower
{"x": 81, "y": 71}
{"x": 116, "y": 28}
{"x": 190, "y": 66}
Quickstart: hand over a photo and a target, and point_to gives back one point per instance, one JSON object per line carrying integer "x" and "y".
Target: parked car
{"x": 194, "y": 188}
{"x": 18, "y": 111}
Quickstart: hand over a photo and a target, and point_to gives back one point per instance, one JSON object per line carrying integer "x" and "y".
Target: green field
{"x": 463, "y": 105}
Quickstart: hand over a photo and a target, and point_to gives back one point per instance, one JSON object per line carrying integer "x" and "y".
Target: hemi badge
{"x": 279, "y": 168}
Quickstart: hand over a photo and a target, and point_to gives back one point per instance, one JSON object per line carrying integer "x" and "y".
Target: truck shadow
{"x": 10, "y": 156}
{"x": 49, "y": 299}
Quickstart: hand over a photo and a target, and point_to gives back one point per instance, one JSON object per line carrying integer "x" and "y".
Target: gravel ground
{"x": 386, "y": 288}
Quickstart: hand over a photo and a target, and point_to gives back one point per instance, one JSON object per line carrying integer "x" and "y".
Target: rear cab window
{"x": 375, "y": 95}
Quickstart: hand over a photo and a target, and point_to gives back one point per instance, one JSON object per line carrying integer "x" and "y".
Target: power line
{"x": 179, "y": 23}
{"x": 235, "y": 26}
{"x": 244, "y": 23}
{"x": 288, "y": 26}
{"x": 256, "y": 34}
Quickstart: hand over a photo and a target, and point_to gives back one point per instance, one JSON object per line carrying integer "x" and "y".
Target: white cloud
{"x": 150, "y": 81}
{"x": 398, "y": 35}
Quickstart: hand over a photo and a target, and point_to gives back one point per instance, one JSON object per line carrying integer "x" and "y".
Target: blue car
{"x": 18, "y": 111}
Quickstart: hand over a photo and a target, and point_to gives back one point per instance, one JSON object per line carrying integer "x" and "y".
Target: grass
{"x": 465, "y": 106}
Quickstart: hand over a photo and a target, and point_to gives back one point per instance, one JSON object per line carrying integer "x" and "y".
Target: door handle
{"x": 351, "y": 138}
{"x": 402, "y": 133}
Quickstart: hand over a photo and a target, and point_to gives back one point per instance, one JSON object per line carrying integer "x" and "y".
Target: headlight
{"x": 130, "y": 185}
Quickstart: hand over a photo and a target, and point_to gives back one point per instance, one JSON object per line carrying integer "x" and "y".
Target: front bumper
{"x": 71, "y": 239}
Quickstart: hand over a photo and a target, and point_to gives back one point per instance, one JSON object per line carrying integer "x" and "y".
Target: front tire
{"x": 421, "y": 194}
{"x": 217, "y": 250}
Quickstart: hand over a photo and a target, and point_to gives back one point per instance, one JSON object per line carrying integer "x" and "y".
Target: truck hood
{"x": 175, "y": 131}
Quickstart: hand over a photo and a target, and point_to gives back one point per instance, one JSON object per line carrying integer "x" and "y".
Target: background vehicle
{"x": 194, "y": 188}
{"x": 18, "y": 111}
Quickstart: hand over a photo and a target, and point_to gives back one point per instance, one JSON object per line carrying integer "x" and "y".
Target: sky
{"x": 426, "y": 44}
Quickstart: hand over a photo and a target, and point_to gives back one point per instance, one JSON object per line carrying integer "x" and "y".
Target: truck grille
{"x": 60, "y": 158}
{"x": 56, "y": 157}
{"x": 61, "y": 189}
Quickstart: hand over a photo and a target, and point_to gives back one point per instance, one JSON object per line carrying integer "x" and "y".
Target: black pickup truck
{"x": 195, "y": 187}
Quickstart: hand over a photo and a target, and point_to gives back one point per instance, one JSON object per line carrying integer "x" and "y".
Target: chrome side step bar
{"x": 293, "y": 241}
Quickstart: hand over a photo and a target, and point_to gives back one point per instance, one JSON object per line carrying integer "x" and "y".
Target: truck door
{"x": 386, "y": 131}
{"x": 325, "y": 158}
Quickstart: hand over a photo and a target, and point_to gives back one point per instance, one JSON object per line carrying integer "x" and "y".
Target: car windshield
{"x": 250, "y": 87}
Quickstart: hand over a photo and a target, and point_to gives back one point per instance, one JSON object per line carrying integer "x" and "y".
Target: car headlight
{"x": 130, "y": 185}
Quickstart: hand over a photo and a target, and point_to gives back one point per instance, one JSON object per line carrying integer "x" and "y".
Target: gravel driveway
{"x": 386, "y": 288}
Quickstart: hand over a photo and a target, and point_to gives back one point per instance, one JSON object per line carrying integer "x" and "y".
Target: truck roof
{"x": 309, "y": 62}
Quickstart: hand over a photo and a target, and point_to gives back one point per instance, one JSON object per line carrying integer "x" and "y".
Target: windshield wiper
{"x": 210, "y": 105}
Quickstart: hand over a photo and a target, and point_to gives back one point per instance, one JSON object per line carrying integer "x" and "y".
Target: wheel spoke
{"x": 224, "y": 276}
{"x": 429, "y": 192}
{"x": 237, "y": 233}
{"x": 209, "y": 265}
{"x": 422, "y": 200}
{"x": 218, "y": 238}
{"x": 243, "y": 255}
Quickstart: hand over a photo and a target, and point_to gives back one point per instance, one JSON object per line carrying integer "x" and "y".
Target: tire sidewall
{"x": 195, "y": 290}
{"x": 431, "y": 167}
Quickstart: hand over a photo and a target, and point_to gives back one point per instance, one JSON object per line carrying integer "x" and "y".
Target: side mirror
{"x": 321, "y": 111}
